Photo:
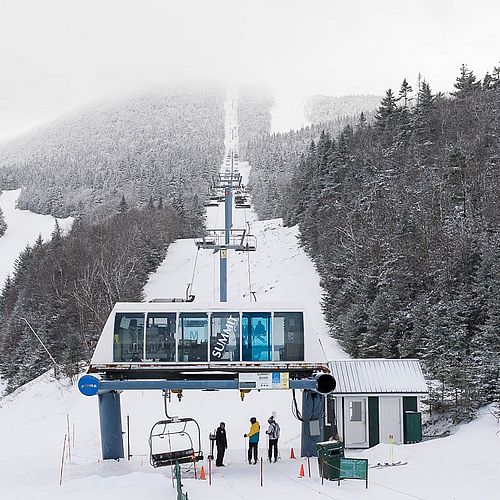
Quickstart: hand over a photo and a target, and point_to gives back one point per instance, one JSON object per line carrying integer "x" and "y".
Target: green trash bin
{"x": 413, "y": 427}
{"x": 329, "y": 455}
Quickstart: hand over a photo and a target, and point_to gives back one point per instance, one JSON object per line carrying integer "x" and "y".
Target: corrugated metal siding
{"x": 378, "y": 376}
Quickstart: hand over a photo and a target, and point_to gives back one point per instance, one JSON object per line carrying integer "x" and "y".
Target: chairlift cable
{"x": 249, "y": 277}
{"x": 214, "y": 289}
{"x": 316, "y": 413}
{"x": 190, "y": 287}
{"x": 169, "y": 441}
{"x": 248, "y": 261}
{"x": 43, "y": 345}
{"x": 172, "y": 464}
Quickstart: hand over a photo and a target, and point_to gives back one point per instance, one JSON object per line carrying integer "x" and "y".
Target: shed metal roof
{"x": 378, "y": 376}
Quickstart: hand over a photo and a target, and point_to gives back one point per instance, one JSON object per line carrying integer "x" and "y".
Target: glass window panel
{"x": 193, "y": 337}
{"x": 355, "y": 411}
{"x": 256, "y": 329}
{"x": 288, "y": 331}
{"x": 225, "y": 337}
{"x": 128, "y": 337}
{"x": 160, "y": 337}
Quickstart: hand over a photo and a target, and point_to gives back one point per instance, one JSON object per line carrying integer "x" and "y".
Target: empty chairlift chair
{"x": 170, "y": 442}
{"x": 241, "y": 201}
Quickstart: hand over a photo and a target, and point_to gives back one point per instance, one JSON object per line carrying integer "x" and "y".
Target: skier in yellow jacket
{"x": 253, "y": 440}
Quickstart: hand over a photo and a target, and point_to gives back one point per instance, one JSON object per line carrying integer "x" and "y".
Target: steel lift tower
{"x": 222, "y": 240}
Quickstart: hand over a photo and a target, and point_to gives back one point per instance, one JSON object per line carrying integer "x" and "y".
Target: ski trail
{"x": 280, "y": 270}
{"x": 23, "y": 228}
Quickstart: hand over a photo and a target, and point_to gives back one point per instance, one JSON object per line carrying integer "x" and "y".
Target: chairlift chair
{"x": 165, "y": 430}
{"x": 241, "y": 201}
{"x": 242, "y": 205}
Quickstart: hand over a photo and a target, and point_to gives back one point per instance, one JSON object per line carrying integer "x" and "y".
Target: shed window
{"x": 355, "y": 411}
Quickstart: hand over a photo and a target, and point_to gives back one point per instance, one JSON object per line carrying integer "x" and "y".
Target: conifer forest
{"x": 401, "y": 216}
{"x": 398, "y": 208}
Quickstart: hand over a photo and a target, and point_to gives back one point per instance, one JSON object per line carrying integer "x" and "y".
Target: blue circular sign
{"x": 89, "y": 385}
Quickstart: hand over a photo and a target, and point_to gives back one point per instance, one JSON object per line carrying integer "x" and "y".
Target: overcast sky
{"x": 57, "y": 54}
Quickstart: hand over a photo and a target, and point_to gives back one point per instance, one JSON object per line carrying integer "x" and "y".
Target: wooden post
{"x": 69, "y": 439}
{"x": 194, "y": 464}
{"x": 309, "y": 464}
{"x": 322, "y": 471}
{"x": 261, "y": 472}
{"x": 210, "y": 472}
{"x": 128, "y": 437}
{"x": 62, "y": 459}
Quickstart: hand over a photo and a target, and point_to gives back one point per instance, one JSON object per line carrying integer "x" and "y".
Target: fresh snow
{"x": 23, "y": 228}
{"x": 33, "y": 421}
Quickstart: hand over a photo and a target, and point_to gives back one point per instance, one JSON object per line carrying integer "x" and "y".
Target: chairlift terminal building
{"x": 178, "y": 340}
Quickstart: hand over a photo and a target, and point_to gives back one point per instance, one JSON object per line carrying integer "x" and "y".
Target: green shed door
{"x": 373, "y": 421}
{"x": 409, "y": 404}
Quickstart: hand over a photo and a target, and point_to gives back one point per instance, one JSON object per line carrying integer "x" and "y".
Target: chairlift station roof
{"x": 378, "y": 376}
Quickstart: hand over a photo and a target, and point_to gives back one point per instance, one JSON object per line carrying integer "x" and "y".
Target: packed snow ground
{"x": 23, "y": 228}
{"x": 34, "y": 419}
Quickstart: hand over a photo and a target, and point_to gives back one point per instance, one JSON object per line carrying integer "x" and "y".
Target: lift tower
{"x": 222, "y": 240}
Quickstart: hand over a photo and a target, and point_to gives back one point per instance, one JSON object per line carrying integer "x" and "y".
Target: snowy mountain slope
{"x": 23, "y": 228}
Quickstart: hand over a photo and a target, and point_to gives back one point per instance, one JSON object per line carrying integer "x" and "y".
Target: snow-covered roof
{"x": 203, "y": 306}
{"x": 378, "y": 376}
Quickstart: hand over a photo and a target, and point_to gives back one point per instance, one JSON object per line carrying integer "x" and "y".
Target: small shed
{"x": 375, "y": 399}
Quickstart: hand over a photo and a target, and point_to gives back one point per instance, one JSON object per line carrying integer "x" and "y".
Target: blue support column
{"x": 313, "y": 430}
{"x": 228, "y": 212}
{"x": 110, "y": 417}
{"x": 223, "y": 275}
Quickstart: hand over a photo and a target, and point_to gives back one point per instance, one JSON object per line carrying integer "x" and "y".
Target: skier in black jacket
{"x": 221, "y": 443}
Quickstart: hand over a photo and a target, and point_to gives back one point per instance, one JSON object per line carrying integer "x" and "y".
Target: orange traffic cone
{"x": 202, "y": 473}
{"x": 301, "y": 473}
{"x": 292, "y": 454}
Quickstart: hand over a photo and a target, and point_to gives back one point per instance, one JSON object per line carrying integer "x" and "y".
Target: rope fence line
{"x": 331, "y": 466}
{"x": 234, "y": 489}
{"x": 303, "y": 484}
{"x": 396, "y": 490}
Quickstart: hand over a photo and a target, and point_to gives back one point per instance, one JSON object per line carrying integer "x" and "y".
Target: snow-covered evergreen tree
{"x": 3, "y": 224}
